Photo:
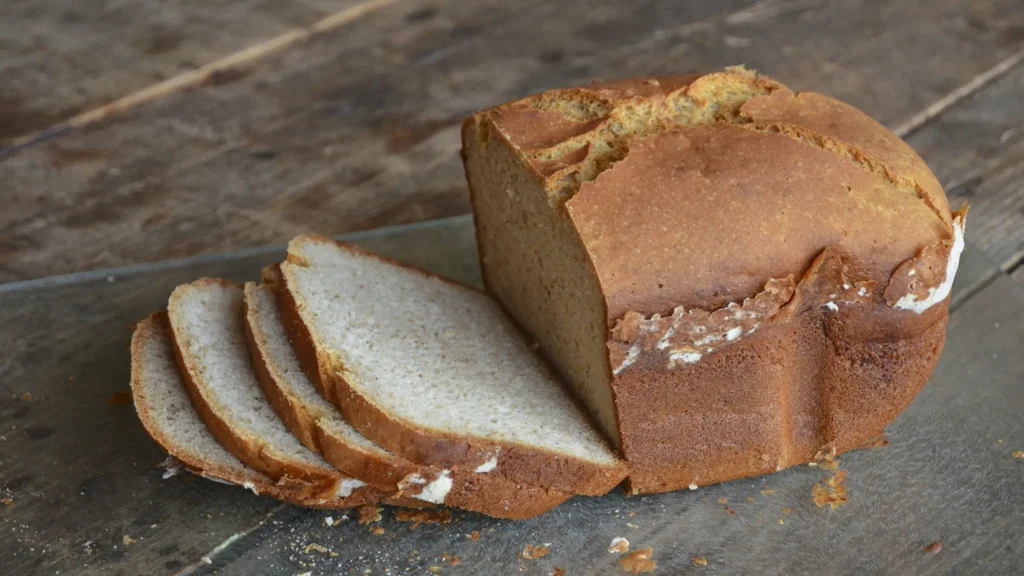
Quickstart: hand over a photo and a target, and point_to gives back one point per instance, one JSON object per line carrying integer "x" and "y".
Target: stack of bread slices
{"x": 344, "y": 379}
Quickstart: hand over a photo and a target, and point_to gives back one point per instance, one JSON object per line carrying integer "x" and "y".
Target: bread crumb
{"x": 418, "y": 517}
{"x": 1018, "y": 454}
{"x": 693, "y": 486}
{"x": 729, "y": 510}
{"x": 723, "y": 500}
{"x": 474, "y": 535}
{"x": 767, "y": 492}
{"x": 128, "y": 540}
{"x": 451, "y": 559}
{"x": 700, "y": 561}
{"x": 833, "y": 492}
{"x": 781, "y": 521}
{"x": 631, "y": 513}
{"x": 638, "y": 561}
{"x": 933, "y": 548}
{"x": 329, "y": 521}
{"x": 531, "y": 551}
{"x": 631, "y": 525}
{"x": 558, "y": 571}
{"x": 377, "y": 530}
{"x": 619, "y": 545}
{"x": 318, "y": 548}
{"x": 434, "y": 568}
{"x": 26, "y": 397}
{"x": 749, "y": 499}
{"x": 787, "y": 510}
{"x": 7, "y": 501}
{"x": 369, "y": 514}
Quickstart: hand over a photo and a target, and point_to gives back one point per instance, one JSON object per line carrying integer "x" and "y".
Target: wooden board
{"x": 60, "y": 57}
{"x": 977, "y": 151}
{"x": 82, "y": 474}
{"x": 359, "y": 128}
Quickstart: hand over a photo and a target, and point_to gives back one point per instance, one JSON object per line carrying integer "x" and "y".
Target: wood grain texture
{"x": 359, "y": 128}
{"x": 80, "y": 469}
{"x": 61, "y": 57}
{"x": 977, "y": 151}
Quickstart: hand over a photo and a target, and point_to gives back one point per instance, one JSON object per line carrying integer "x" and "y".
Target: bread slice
{"x": 434, "y": 371}
{"x": 319, "y": 425}
{"x": 206, "y": 319}
{"x": 167, "y": 414}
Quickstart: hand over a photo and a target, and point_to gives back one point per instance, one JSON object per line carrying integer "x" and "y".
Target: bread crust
{"x": 432, "y": 447}
{"x": 486, "y": 493}
{"x": 629, "y": 210}
{"x": 154, "y": 327}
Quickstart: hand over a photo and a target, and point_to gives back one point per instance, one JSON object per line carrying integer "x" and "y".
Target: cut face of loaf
{"x": 434, "y": 372}
{"x": 167, "y": 414}
{"x": 321, "y": 427}
{"x": 687, "y": 251}
{"x": 207, "y": 327}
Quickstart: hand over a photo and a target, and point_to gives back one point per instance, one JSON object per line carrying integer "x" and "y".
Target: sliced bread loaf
{"x": 206, "y": 319}
{"x": 434, "y": 371}
{"x": 319, "y": 425}
{"x": 168, "y": 415}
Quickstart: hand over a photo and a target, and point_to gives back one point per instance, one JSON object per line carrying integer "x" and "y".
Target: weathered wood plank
{"x": 80, "y": 468}
{"x": 977, "y": 151}
{"x": 359, "y": 129}
{"x": 60, "y": 58}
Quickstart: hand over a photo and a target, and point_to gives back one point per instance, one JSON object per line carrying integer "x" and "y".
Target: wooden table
{"x": 154, "y": 130}
{"x": 135, "y": 133}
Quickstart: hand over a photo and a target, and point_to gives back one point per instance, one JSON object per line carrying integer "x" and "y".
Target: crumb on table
{"x": 639, "y": 561}
{"x": 531, "y": 551}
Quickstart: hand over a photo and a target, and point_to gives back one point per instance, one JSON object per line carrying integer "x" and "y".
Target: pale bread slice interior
{"x": 435, "y": 371}
{"x": 168, "y": 416}
{"x": 321, "y": 427}
{"x": 206, "y": 319}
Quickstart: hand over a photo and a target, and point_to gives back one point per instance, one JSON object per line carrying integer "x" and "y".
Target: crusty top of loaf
{"x": 695, "y": 191}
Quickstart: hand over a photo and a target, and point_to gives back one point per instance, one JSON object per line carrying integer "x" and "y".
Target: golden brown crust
{"x": 149, "y": 329}
{"x": 430, "y": 447}
{"x": 487, "y": 493}
{"x": 825, "y": 381}
{"x": 869, "y": 139}
{"x": 313, "y": 485}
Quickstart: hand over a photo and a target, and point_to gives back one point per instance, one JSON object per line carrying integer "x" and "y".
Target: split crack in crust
{"x": 608, "y": 129}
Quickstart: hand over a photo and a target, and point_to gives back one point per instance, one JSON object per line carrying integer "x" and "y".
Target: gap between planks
{"x": 198, "y": 76}
{"x": 209, "y": 557}
{"x": 348, "y": 15}
{"x": 936, "y": 109}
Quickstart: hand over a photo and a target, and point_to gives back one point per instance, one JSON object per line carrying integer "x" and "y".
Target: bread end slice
{"x": 170, "y": 419}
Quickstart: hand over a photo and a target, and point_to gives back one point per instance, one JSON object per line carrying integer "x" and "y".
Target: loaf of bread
{"x": 733, "y": 277}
